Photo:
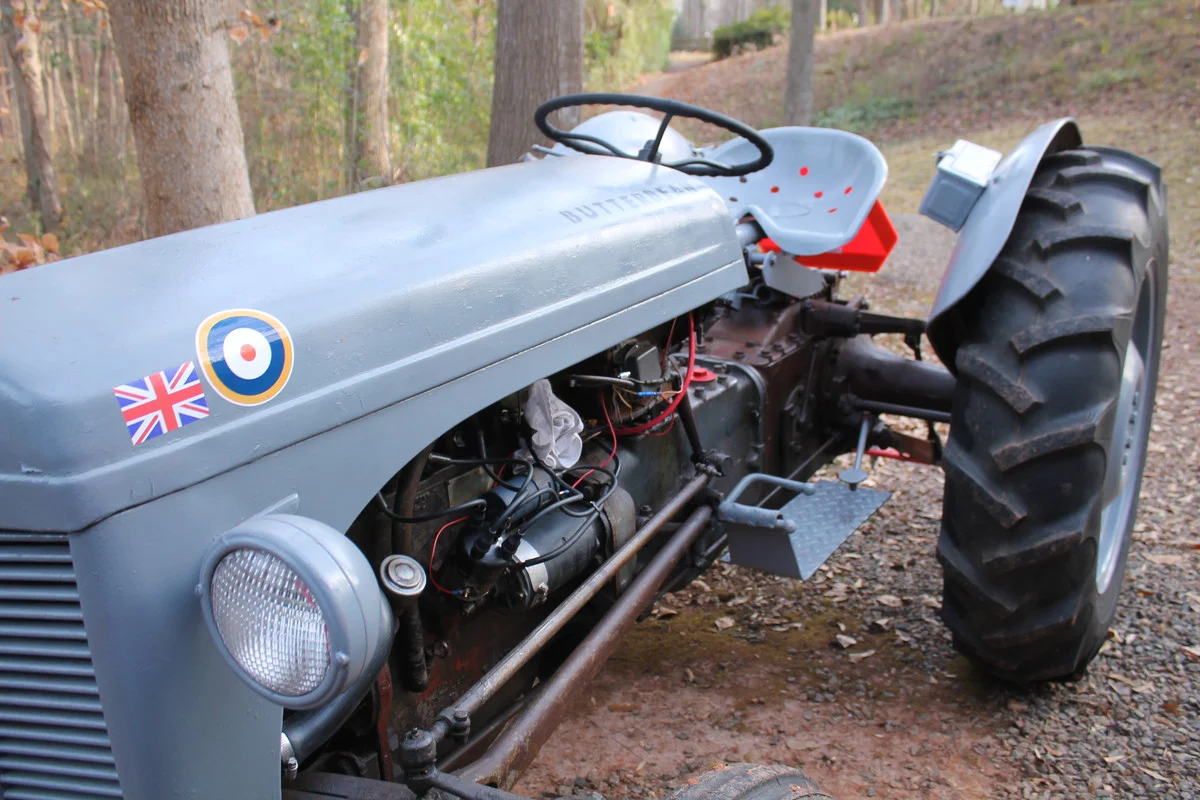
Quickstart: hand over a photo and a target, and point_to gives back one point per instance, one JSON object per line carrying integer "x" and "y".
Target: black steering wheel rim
{"x": 592, "y": 145}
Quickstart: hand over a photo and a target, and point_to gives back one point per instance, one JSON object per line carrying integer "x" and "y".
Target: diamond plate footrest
{"x": 798, "y": 538}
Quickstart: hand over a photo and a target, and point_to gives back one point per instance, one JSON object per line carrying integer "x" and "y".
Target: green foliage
{"x": 441, "y": 78}
{"x": 862, "y": 115}
{"x": 624, "y": 39}
{"x": 757, "y": 30}
{"x": 1105, "y": 78}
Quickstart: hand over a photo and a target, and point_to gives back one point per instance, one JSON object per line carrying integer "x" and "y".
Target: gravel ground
{"x": 743, "y": 666}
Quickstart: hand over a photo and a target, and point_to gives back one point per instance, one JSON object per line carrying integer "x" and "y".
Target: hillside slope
{"x": 907, "y": 78}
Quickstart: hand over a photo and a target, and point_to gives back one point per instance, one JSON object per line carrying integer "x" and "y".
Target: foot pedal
{"x": 818, "y": 523}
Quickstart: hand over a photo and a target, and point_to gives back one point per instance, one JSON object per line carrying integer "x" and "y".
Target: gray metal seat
{"x": 815, "y": 195}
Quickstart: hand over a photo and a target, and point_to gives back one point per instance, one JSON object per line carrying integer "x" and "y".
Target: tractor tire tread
{"x": 1037, "y": 285}
{"x": 1095, "y": 236}
{"x": 1016, "y": 553}
{"x": 1057, "y": 331}
{"x": 1061, "y": 203}
{"x": 1080, "y": 434}
{"x": 750, "y": 782}
{"x": 974, "y": 363}
{"x": 1004, "y": 511}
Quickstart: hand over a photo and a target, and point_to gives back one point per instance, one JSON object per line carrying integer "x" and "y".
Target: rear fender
{"x": 988, "y": 227}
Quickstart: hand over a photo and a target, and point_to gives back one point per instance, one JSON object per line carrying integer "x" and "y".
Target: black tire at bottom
{"x": 1043, "y": 346}
{"x": 750, "y": 782}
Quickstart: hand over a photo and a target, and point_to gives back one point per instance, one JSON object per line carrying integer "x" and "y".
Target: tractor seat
{"x": 815, "y": 195}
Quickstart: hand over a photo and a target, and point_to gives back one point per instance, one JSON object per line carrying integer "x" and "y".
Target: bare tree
{"x": 372, "y": 161}
{"x": 863, "y": 13}
{"x": 22, "y": 40}
{"x": 539, "y": 55}
{"x": 179, "y": 89}
{"x": 798, "y": 97}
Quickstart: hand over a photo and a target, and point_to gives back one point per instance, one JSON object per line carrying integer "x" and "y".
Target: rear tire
{"x": 750, "y": 782}
{"x": 1036, "y": 527}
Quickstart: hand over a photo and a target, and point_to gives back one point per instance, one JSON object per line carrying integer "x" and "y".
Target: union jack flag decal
{"x": 162, "y": 402}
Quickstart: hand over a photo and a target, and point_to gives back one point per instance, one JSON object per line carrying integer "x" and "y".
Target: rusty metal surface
{"x": 516, "y": 748}
{"x": 553, "y": 623}
{"x": 383, "y": 685}
{"x": 793, "y": 366}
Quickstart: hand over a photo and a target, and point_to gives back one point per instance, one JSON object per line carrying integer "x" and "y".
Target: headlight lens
{"x": 270, "y": 622}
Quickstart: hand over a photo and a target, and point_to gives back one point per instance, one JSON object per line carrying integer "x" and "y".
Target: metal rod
{"x": 688, "y": 416}
{"x": 458, "y": 757}
{"x": 516, "y": 748}
{"x": 877, "y": 407}
{"x": 863, "y": 430}
{"x": 520, "y": 655}
{"x": 468, "y": 790}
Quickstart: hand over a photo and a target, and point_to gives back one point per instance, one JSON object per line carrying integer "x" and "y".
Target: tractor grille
{"x": 53, "y": 743}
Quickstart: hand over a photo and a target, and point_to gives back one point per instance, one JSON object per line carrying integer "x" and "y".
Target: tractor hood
{"x": 249, "y": 336}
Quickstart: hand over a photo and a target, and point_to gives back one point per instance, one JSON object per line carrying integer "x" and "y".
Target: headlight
{"x": 294, "y": 607}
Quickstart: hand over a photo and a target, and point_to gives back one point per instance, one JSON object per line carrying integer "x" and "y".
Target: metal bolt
{"x": 765, "y": 352}
{"x": 739, "y": 354}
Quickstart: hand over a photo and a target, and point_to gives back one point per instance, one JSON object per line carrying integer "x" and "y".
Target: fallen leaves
{"x": 623, "y": 708}
{"x": 1166, "y": 559}
{"x": 28, "y": 251}
{"x": 723, "y": 623}
{"x": 856, "y": 657}
{"x": 846, "y": 641}
{"x": 1192, "y": 651}
{"x": 889, "y": 600}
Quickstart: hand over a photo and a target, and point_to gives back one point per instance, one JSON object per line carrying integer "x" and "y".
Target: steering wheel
{"x": 593, "y": 145}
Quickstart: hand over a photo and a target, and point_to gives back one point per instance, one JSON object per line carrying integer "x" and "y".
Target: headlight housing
{"x": 294, "y": 608}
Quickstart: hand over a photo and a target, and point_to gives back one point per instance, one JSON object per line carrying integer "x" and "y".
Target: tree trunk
{"x": 98, "y": 45}
{"x": 373, "y": 163}
{"x": 72, "y": 67}
{"x": 64, "y": 111}
{"x": 539, "y": 55}
{"x": 179, "y": 89}
{"x": 7, "y": 120}
{"x": 824, "y": 15}
{"x": 798, "y": 98}
{"x": 864, "y": 10}
{"x": 23, "y": 49}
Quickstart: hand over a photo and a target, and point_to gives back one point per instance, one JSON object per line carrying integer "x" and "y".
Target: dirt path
{"x": 679, "y": 61}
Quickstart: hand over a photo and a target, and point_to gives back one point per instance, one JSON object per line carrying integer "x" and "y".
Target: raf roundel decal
{"x": 246, "y": 355}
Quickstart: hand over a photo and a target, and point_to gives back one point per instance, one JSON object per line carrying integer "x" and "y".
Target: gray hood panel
{"x": 385, "y": 294}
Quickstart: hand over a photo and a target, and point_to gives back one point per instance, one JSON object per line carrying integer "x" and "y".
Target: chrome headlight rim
{"x": 322, "y": 569}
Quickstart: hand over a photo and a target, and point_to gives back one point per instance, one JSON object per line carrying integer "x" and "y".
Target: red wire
{"x": 433, "y": 550}
{"x": 687, "y": 381}
{"x": 613, "y": 454}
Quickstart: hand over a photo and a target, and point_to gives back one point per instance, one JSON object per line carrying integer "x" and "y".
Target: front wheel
{"x": 1057, "y": 372}
{"x": 750, "y": 782}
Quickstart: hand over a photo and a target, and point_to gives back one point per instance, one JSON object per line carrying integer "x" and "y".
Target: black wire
{"x": 562, "y": 548}
{"x": 486, "y": 464}
{"x": 470, "y": 505}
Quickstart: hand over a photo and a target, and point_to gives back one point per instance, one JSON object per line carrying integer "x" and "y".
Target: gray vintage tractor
{"x": 350, "y": 500}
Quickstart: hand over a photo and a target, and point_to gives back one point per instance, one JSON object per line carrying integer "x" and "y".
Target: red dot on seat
{"x": 804, "y": 170}
{"x": 247, "y": 352}
{"x": 818, "y": 194}
{"x": 849, "y": 189}
{"x": 774, "y": 188}
{"x": 832, "y": 210}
